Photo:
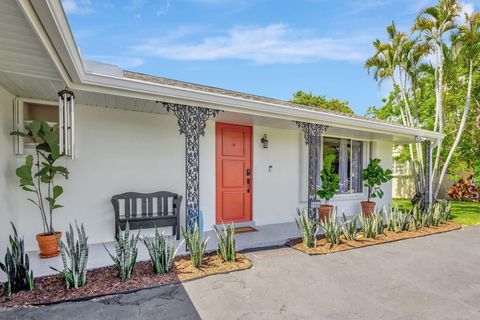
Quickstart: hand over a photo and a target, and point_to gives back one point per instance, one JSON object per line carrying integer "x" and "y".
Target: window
{"x": 26, "y": 110}
{"x": 348, "y": 162}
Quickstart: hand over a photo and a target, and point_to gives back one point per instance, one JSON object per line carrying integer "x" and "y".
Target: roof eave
{"x": 58, "y": 39}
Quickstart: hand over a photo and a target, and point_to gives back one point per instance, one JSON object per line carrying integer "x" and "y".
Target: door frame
{"x": 218, "y": 215}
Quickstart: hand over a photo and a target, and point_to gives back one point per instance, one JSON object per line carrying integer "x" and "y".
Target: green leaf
{"x": 57, "y": 191}
{"x": 18, "y": 133}
{"x": 34, "y": 128}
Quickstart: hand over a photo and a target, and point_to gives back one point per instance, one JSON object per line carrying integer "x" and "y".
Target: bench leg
{"x": 176, "y": 230}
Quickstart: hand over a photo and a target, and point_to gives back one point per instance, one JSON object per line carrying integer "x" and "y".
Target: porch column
{"x": 427, "y": 145}
{"x": 191, "y": 121}
{"x": 312, "y": 133}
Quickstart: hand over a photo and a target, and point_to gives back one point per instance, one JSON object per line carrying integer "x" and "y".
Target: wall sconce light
{"x": 264, "y": 141}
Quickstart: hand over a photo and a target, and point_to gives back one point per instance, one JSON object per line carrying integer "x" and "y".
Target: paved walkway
{"x": 435, "y": 277}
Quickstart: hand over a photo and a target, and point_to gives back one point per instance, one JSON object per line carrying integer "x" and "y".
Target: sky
{"x": 266, "y": 47}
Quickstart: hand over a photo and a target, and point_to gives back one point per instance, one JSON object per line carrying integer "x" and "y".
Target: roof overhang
{"x": 48, "y": 20}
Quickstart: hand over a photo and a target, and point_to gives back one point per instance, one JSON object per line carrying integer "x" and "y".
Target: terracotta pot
{"x": 368, "y": 207}
{"x": 48, "y": 245}
{"x": 324, "y": 212}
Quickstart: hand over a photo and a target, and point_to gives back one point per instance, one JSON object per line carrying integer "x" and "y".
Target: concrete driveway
{"x": 435, "y": 277}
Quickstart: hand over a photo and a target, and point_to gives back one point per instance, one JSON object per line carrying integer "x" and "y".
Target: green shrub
{"x": 16, "y": 266}
{"x": 226, "y": 243}
{"x": 195, "y": 245}
{"x": 74, "y": 257}
{"x": 349, "y": 227}
{"x": 331, "y": 229}
{"x": 162, "y": 254}
{"x": 308, "y": 228}
{"x": 371, "y": 225}
{"x": 126, "y": 252}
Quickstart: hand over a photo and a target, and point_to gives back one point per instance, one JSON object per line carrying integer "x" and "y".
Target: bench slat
{"x": 150, "y": 207}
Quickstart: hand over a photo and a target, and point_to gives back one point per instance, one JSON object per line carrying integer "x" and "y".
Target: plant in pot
{"x": 373, "y": 176}
{"x": 329, "y": 187}
{"x": 37, "y": 176}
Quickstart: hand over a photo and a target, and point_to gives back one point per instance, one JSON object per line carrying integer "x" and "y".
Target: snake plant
{"x": 226, "y": 243}
{"x": 349, "y": 227}
{"x": 331, "y": 228}
{"x": 16, "y": 266}
{"x": 74, "y": 257}
{"x": 162, "y": 253}
{"x": 196, "y": 245}
{"x": 308, "y": 227}
{"x": 126, "y": 252}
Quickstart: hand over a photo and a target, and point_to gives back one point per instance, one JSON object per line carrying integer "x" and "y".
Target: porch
{"x": 266, "y": 236}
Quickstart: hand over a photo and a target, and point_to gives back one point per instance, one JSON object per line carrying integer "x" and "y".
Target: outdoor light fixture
{"x": 66, "y": 120}
{"x": 264, "y": 141}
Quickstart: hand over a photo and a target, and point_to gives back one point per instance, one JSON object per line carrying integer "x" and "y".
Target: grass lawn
{"x": 467, "y": 213}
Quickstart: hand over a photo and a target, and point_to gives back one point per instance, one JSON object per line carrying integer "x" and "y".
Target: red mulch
{"x": 105, "y": 281}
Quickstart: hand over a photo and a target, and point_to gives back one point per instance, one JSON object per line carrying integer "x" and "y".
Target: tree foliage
{"x": 434, "y": 70}
{"x": 321, "y": 102}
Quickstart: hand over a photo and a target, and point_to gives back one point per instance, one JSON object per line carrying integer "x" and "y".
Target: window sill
{"x": 349, "y": 196}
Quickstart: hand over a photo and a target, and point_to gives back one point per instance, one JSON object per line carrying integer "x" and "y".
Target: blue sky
{"x": 267, "y": 47}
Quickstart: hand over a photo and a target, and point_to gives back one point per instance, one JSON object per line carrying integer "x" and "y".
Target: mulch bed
{"x": 323, "y": 247}
{"x": 105, "y": 281}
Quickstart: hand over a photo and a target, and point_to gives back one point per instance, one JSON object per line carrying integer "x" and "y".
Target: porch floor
{"x": 267, "y": 236}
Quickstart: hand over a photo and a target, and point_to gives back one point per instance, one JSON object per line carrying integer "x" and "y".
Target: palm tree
{"x": 466, "y": 44}
{"x": 386, "y": 64}
{"x": 434, "y": 23}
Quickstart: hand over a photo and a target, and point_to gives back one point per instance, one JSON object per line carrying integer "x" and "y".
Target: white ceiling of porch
{"x": 25, "y": 66}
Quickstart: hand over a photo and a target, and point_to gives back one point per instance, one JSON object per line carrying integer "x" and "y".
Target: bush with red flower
{"x": 464, "y": 190}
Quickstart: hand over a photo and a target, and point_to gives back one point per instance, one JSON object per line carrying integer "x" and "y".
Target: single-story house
{"x": 237, "y": 157}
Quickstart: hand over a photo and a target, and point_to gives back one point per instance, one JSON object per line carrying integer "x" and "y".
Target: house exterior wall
{"x": 119, "y": 151}
{"x": 8, "y": 181}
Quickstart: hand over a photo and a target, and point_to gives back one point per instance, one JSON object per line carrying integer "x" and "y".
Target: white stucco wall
{"x": 118, "y": 151}
{"x": 8, "y": 182}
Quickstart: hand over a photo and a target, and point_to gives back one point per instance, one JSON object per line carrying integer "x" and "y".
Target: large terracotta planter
{"x": 368, "y": 207}
{"x": 48, "y": 245}
{"x": 324, "y": 212}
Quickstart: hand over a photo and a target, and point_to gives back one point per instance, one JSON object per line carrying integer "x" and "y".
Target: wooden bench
{"x": 147, "y": 210}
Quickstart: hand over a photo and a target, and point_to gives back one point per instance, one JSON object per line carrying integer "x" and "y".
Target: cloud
{"x": 276, "y": 43}
{"x": 121, "y": 61}
{"x": 80, "y": 7}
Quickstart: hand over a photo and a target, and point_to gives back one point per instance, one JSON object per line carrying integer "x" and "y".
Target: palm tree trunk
{"x": 439, "y": 112}
{"x": 460, "y": 129}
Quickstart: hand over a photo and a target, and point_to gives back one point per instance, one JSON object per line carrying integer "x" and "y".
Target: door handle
{"x": 248, "y": 172}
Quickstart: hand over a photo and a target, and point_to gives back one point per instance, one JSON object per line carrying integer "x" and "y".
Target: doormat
{"x": 244, "y": 229}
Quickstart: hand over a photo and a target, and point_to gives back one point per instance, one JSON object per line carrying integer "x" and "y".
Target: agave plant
{"x": 349, "y": 227}
{"x": 308, "y": 227}
{"x": 331, "y": 228}
{"x": 16, "y": 266}
{"x": 126, "y": 252}
{"x": 196, "y": 245}
{"x": 74, "y": 257}
{"x": 162, "y": 254}
{"x": 226, "y": 243}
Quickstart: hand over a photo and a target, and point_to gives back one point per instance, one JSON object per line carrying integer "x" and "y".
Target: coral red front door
{"x": 233, "y": 173}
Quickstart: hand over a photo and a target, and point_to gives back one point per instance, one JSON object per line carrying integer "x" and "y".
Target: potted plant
{"x": 329, "y": 187}
{"x": 38, "y": 175}
{"x": 373, "y": 176}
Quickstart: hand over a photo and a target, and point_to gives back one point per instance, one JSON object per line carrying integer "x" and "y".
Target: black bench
{"x": 147, "y": 210}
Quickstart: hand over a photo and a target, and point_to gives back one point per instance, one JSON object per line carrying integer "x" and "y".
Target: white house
{"x": 125, "y": 136}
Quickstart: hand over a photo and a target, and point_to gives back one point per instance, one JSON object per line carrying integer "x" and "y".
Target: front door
{"x": 233, "y": 173}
